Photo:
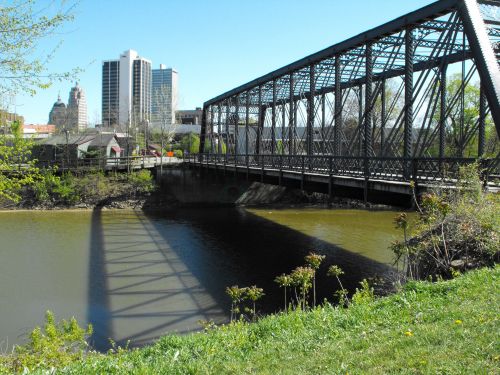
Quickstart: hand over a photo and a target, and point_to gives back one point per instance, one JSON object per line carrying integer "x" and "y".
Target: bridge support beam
{"x": 236, "y": 125}
{"x": 382, "y": 118}
{"x": 310, "y": 112}
{"x": 337, "y": 131}
{"x": 219, "y": 129}
{"x": 291, "y": 122}
{"x": 367, "y": 144}
{"x": 203, "y": 132}
{"x": 228, "y": 143}
{"x": 442, "y": 111}
{"x": 408, "y": 119}
{"x": 260, "y": 124}
{"x": 484, "y": 55}
{"x": 323, "y": 124}
{"x": 482, "y": 122}
{"x": 273, "y": 120}
{"x": 247, "y": 120}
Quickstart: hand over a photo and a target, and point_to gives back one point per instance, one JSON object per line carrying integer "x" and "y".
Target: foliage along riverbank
{"x": 444, "y": 327}
{"x": 95, "y": 189}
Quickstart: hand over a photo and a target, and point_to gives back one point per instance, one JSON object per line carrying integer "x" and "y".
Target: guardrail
{"x": 377, "y": 168}
{"x": 119, "y": 163}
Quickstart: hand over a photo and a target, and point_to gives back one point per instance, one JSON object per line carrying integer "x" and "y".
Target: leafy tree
{"x": 461, "y": 133}
{"x": 23, "y": 25}
{"x": 191, "y": 143}
{"x": 17, "y": 169}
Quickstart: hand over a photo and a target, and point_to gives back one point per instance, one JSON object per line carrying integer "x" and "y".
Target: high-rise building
{"x": 110, "y": 92}
{"x": 165, "y": 98}
{"x": 58, "y": 114}
{"x": 126, "y": 90}
{"x": 77, "y": 109}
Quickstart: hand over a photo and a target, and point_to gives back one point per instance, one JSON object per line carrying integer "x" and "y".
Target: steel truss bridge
{"x": 412, "y": 99}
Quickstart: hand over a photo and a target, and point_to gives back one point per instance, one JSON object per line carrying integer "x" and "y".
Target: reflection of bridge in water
{"x": 413, "y": 99}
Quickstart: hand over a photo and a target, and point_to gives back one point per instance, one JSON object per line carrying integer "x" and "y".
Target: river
{"x": 136, "y": 276}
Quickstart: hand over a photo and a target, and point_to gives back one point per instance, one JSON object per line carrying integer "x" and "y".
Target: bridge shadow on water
{"x": 157, "y": 272}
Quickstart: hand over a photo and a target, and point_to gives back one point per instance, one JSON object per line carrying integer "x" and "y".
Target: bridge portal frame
{"x": 415, "y": 50}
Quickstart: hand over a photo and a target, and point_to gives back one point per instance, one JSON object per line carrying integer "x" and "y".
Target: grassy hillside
{"x": 449, "y": 327}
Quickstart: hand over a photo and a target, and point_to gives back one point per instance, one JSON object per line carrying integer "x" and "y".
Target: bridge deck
{"x": 307, "y": 169}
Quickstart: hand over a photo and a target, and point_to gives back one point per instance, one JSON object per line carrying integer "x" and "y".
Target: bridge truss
{"x": 419, "y": 93}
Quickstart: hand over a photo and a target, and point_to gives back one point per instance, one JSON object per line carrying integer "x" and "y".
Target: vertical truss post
{"x": 367, "y": 142}
{"x": 484, "y": 55}
{"x": 203, "y": 131}
{"x": 310, "y": 112}
{"x": 337, "y": 149}
{"x": 260, "y": 123}
{"x": 211, "y": 129}
{"x": 408, "y": 119}
{"x": 442, "y": 111}
{"x": 323, "y": 123}
{"x": 273, "y": 120}
{"x": 236, "y": 121}
{"x": 283, "y": 120}
{"x": 228, "y": 143}
{"x": 360, "y": 120}
{"x": 382, "y": 118}
{"x": 482, "y": 122}
{"x": 291, "y": 122}
{"x": 219, "y": 129}
{"x": 247, "y": 120}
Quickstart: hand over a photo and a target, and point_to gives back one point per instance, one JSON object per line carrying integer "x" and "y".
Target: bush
{"x": 178, "y": 154}
{"x": 457, "y": 229}
{"x": 141, "y": 181}
{"x": 52, "y": 188}
{"x": 53, "y": 346}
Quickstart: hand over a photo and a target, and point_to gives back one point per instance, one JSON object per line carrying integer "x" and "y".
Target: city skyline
{"x": 210, "y": 59}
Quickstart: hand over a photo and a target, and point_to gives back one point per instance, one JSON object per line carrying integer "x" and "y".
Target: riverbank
{"x": 92, "y": 191}
{"x": 136, "y": 191}
{"x": 449, "y": 326}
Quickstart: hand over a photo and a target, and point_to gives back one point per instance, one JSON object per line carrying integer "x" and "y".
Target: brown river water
{"x": 137, "y": 276}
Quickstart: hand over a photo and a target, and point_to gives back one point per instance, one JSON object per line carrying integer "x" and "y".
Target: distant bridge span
{"x": 412, "y": 99}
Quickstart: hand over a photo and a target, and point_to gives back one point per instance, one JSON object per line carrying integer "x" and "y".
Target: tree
{"x": 461, "y": 129}
{"x": 163, "y": 111}
{"x": 23, "y": 25}
{"x": 191, "y": 143}
{"x": 17, "y": 169}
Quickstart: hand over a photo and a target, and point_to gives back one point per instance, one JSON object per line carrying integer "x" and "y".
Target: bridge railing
{"x": 132, "y": 162}
{"x": 423, "y": 170}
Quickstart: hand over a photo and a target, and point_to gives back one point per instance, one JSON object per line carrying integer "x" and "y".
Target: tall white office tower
{"x": 126, "y": 90}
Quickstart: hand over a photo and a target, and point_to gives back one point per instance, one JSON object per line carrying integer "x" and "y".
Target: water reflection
{"x": 139, "y": 286}
{"x": 136, "y": 276}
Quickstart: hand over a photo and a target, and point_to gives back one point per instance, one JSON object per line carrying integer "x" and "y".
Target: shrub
{"x": 141, "y": 181}
{"x": 53, "y": 346}
{"x": 178, "y": 154}
{"x": 50, "y": 187}
{"x": 457, "y": 229}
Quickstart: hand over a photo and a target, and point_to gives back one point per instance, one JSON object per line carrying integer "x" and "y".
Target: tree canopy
{"x": 23, "y": 26}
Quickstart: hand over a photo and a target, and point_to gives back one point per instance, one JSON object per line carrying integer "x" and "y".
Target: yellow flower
{"x": 409, "y": 333}
{"x": 458, "y": 321}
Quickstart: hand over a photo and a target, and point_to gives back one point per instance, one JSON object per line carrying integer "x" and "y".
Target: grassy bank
{"x": 445, "y": 327}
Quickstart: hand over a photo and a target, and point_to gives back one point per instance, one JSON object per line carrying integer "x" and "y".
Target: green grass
{"x": 454, "y": 330}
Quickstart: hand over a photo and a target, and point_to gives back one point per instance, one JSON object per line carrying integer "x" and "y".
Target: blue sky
{"x": 215, "y": 45}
